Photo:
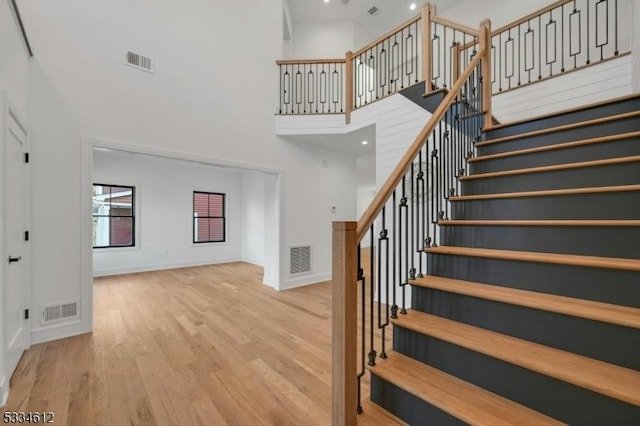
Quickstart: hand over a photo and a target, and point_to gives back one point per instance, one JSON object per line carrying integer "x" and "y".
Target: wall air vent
{"x": 61, "y": 311}
{"x": 300, "y": 257}
{"x": 138, "y": 61}
{"x": 373, "y": 11}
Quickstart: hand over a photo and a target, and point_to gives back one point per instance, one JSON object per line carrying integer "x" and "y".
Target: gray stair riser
{"x": 555, "y": 398}
{"x": 584, "y": 132}
{"x": 598, "y": 340}
{"x": 609, "y": 205}
{"x": 621, "y": 241}
{"x": 407, "y": 406}
{"x": 598, "y": 284}
{"x": 583, "y": 177}
{"x": 431, "y": 102}
{"x": 598, "y": 151}
{"x": 620, "y": 107}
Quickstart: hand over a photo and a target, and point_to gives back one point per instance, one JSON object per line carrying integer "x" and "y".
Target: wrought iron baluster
{"x": 412, "y": 271}
{"x": 539, "y": 47}
{"x": 383, "y": 240}
{"x": 562, "y": 38}
{"x": 615, "y": 28}
{"x": 498, "y": 67}
{"x": 405, "y": 207}
{"x": 434, "y": 184}
{"x": 519, "y": 55}
{"x": 396, "y": 254}
{"x": 588, "y": 33}
{"x": 372, "y": 279}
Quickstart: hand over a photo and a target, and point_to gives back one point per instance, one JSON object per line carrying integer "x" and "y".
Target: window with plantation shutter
{"x": 113, "y": 216}
{"x": 208, "y": 217}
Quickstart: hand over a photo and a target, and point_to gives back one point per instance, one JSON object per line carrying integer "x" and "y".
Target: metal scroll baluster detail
{"x": 407, "y": 223}
{"x": 312, "y": 87}
{"x": 561, "y": 38}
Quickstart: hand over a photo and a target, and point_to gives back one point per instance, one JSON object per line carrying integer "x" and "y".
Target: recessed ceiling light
{"x": 365, "y": 142}
{"x": 327, "y": 1}
{"x": 412, "y": 6}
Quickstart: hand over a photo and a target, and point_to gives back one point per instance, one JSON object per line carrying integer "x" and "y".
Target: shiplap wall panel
{"x": 593, "y": 84}
{"x": 398, "y": 121}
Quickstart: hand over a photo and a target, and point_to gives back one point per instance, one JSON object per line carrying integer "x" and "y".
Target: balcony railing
{"x": 565, "y": 36}
{"x": 562, "y": 37}
{"x": 312, "y": 86}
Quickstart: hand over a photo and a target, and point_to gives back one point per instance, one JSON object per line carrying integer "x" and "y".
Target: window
{"x": 208, "y": 217}
{"x": 113, "y": 216}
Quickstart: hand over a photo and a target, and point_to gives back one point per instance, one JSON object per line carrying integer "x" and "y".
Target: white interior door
{"x": 15, "y": 292}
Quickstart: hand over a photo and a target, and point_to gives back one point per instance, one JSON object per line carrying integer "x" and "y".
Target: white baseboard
{"x": 257, "y": 262}
{"x": 160, "y": 266}
{"x": 306, "y": 280}
{"x": 58, "y": 331}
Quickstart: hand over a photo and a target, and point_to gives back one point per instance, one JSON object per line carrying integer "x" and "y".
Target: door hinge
{"x": 26, "y": 235}
{"x": 26, "y": 314}
{"x": 26, "y": 157}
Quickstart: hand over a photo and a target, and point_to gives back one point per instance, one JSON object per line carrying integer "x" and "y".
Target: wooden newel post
{"x": 456, "y": 53}
{"x": 348, "y": 91}
{"x": 485, "y": 42}
{"x": 344, "y": 324}
{"x": 428, "y": 10}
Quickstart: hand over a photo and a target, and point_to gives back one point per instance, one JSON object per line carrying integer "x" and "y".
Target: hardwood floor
{"x": 206, "y": 345}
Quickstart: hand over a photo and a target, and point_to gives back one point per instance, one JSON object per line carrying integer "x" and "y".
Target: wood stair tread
{"x": 614, "y": 381}
{"x": 559, "y": 146}
{"x": 529, "y": 256}
{"x": 461, "y": 399}
{"x": 555, "y": 167}
{"x": 560, "y": 128}
{"x": 597, "y": 311}
{"x": 548, "y": 192}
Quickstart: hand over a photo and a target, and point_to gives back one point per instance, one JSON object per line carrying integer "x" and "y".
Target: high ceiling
{"x": 390, "y": 12}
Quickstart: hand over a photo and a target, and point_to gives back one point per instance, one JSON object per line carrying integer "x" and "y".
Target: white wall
{"x": 212, "y": 96}
{"x": 322, "y": 39}
{"x": 14, "y": 91}
{"x": 164, "y": 215}
{"x": 14, "y": 62}
{"x": 253, "y": 214}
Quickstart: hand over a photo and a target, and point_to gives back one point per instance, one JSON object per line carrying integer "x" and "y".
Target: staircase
{"x": 529, "y": 313}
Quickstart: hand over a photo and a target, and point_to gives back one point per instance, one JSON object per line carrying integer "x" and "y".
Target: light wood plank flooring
{"x": 206, "y": 345}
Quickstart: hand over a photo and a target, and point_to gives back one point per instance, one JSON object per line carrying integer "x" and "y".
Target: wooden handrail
{"x": 22, "y": 30}
{"x": 392, "y": 182}
{"x": 453, "y": 25}
{"x": 310, "y": 61}
{"x": 387, "y": 35}
{"x": 530, "y": 16}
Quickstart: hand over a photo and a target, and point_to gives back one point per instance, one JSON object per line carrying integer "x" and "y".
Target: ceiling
{"x": 391, "y": 12}
{"x": 348, "y": 143}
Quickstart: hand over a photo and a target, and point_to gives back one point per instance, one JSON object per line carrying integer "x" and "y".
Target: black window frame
{"x": 223, "y": 217}
{"x": 132, "y": 216}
